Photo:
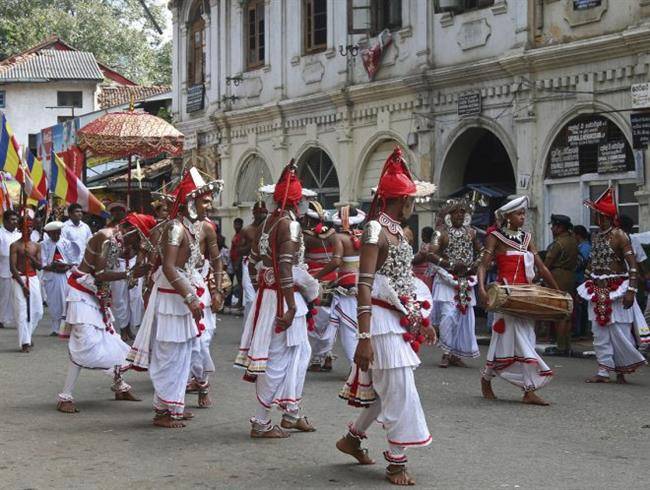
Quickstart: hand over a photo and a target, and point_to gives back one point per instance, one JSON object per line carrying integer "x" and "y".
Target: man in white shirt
{"x": 76, "y": 230}
{"x": 8, "y": 235}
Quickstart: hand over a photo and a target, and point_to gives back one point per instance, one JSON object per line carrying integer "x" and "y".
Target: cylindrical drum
{"x": 529, "y": 301}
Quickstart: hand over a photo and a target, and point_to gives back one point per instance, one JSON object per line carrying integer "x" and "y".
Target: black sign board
{"x": 587, "y": 132}
{"x": 564, "y": 162}
{"x": 585, "y": 4}
{"x": 194, "y": 98}
{"x": 469, "y": 104}
{"x": 640, "y": 129}
{"x": 612, "y": 157}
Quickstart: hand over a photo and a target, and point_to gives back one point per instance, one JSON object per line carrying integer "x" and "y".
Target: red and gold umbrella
{"x": 125, "y": 134}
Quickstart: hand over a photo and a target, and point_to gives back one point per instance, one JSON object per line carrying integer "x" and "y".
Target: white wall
{"x": 25, "y": 105}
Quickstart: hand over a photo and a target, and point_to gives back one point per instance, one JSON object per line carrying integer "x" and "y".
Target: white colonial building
{"x": 500, "y": 96}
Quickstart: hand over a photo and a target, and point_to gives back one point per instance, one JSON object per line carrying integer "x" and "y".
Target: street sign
{"x": 469, "y": 104}
{"x": 640, "y": 95}
{"x": 640, "y": 122}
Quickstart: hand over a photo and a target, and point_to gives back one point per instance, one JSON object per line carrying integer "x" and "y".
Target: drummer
{"x": 512, "y": 354}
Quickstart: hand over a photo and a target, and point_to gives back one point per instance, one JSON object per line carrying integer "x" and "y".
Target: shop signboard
{"x": 589, "y": 132}
{"x": 586, "y": 4}
{"x": 564, "y": 162}
{"x": 640, "y": 122}
{"x": 640, "y": 95}
{"x": 612, "y": 157}
{"x": 469, "y": 104}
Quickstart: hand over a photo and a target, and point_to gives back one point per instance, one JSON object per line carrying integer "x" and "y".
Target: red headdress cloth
{"x": 395, "y": 180}
{"x": 191, "y": 186}
{"x": 142, "y": 222}
{"x": 288, "y": 190}
{"x": 605, "y": 204}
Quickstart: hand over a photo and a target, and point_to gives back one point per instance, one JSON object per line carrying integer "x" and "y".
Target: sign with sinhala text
{"x": 469, "y": 104}
{"x": 612, "y": 157}
{"x": 640, "y": 95}
{"x": 585, "y": 4}
{"x": 564, "y": 162}
{"x": 640, "y": 122}
{"x": 587, "y": 132}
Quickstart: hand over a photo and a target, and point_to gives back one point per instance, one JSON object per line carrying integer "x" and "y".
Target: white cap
{"x": 53, "y": 226}
{"x": 510, "y": 207}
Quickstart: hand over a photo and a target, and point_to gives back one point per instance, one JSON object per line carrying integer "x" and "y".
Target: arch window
{"x": 252, "y": 175}
{"x": 317, "y": 173}
{"x": 196, "y": 44}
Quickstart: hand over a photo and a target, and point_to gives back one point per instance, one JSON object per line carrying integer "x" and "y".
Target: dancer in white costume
{"x": 393, "y": 316}
{"x": 58, "y": 255}
{"x": 248, "y": 234}
{"x": 455, "y": 251}
{"x": 323, "y": 255}
{"x": 512, "y": 354}
{"x": 274, "y": 348}
{"x": 26, "y": 299}
{"x": 617, "y": 322}
{"x": 93, "y": 343}
{"x": 174, "y": 318}
{"x": 8, "y": 235}
{"x": 343, "y": 309}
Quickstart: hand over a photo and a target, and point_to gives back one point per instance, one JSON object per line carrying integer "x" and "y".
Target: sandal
{"x": 274, "y": 432}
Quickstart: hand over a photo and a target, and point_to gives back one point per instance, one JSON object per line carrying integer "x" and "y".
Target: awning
{"x": 498, "y": 189}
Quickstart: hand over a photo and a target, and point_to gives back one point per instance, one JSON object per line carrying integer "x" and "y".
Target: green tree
{"x": 118, "y": 32}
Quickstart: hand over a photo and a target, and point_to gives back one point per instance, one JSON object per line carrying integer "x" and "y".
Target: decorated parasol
{"x": 125, "y": 134}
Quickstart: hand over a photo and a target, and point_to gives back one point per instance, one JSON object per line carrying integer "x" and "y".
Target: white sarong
{"x": 19, "y": 302}
{"x": 6, "y": 304}
{"x": 55, "y": 285}
{"x": 344, "y": 318}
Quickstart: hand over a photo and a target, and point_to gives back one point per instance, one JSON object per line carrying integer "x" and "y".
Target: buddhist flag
{"x": 11, "y": 163}
{"x": 37, "y": 172}
{"x": 66, "y": 185}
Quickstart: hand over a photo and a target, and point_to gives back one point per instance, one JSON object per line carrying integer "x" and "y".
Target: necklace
{"x": 394, "y": 227}
{"x": 515, "y": 235}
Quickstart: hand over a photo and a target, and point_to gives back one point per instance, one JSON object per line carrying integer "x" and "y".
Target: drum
{"x": 530, "y": 301}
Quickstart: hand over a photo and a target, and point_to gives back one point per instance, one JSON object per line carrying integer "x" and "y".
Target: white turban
{"x": 510, "y": 207}
{"x": 53, "y": 226}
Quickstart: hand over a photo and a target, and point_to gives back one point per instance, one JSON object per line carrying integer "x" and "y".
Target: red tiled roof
{"x": 114, "y": 95}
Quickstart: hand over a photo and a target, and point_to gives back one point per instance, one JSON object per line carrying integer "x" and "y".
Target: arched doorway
{"x": 252, "y": 174}
{"x": 317, "y": 173}
{"x": 478, "y": 161}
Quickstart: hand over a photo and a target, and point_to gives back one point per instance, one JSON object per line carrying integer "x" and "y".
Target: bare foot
{"x": 301, "y": 424}
{"x": 187, "y": 415}
{"x": 204, "y": 400}
{"x": 274, "y": 433}
{"x": 457, "y": 361}
{"x": 597, "y": 379}
{"x": 350, "y": 445}
{"x": 531, "y": 398}
{"x": 315, "y": 368}
{"x": 67, "y": 407}
{"x": 25, "y": 348}
{"x": 486, "y": 389}
{"x": 127, "y": 396}
{"x": 397, "y": 475}
{"x": 620, "y": 379}
{"x": 192, "y": 386}
{"x": 327, "y": 365}
{"x": 444, "y": 362}
{"x": 167, "y": 422}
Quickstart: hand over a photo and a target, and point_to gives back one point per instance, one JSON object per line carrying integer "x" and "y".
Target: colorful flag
{"x": 37, "y": 172}
{"x": 5, "y": 198}
{"x": 10, "y": 161}
{"x": 66, "y": 185}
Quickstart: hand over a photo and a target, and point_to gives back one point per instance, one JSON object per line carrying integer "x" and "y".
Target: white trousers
{"x": 169, "y": 369}
{"x": 324, "y": 335}
{"x": 457, "y": 335}
{"x": 201, "y": 364}
{"x": 26, "y": 328}
{"x": 56, "y": 289}
{"x": 398, "y": 409}
{"x": 615, "y": 349}
{"x": 283, "y": 382}
{"x": 6, "y": 306}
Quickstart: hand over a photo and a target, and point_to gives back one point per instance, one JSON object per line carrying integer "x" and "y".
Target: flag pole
{"x": 23, "y": 199}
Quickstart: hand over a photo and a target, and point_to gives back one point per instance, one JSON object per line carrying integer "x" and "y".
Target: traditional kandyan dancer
{"x": 58, "y": 255}
{"x": 455, "y": 251}
{"x": 93, "y": 343}
{"x": 8, "y": 235}
{"x": 248, "y": 234}
{"x": 274, "y": 348}
{"x": 174, "y": 318}
{"x": 512, "y": 353}
{"x": 323, "y": 253}
{"x": 343, "y": 309}
{"x": 26, "y": 289}
{"x": 393, "y": 312}
{"x": 617, "y": 322}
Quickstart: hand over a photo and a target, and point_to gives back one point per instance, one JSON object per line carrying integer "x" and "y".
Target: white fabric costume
{"x": 343, "y": 315}
{"x": 79, "y": 234}
{"x": 27, "y": 327}
{"x": 6, "y": 308}
{"x": 201, "y": 363}
{"x": 277, "y": 362}
{"x": 93, "y": 343}
{"x": 388, "y": 388}
{"x": 128, "y": 303}
{"x": 248, "y": 290}
{"x": 55, "y": 284}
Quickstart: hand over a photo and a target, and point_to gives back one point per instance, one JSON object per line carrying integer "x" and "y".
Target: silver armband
{"x": 363, "y": 335}
{"x": 190, "y": 298}
{"x": 294, "y": 231}
{"x": 371, "y": 233}
{"x": 628, "y": 252}
{"x": 435, "y": 241}
{"x": 175, "y": 234}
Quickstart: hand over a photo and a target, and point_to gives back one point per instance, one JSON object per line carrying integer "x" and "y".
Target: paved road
{"x": 592, "y": 437}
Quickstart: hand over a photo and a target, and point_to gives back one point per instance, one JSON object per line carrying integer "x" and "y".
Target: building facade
{"x": 499, "y": 96}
